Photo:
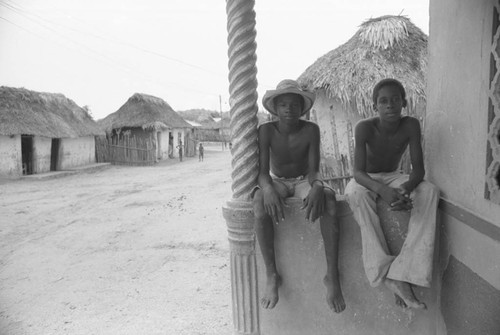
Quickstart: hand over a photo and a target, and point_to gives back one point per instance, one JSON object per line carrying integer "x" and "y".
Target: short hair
{"x": 388, "y": 82}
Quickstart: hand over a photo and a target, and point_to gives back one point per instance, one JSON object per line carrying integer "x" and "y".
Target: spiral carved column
{"x": 238, "y": 211}
{"x": 243, "y": 95}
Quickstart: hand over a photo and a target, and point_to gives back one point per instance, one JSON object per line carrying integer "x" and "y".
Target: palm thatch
{"x": 383, "y": 47}
{"x": 43, "y": 114}
{"x": 144, "y": 111}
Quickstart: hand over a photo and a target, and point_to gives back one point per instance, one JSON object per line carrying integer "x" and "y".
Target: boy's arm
{"x": 313, "y": 158}
{"x": 273, "y": 203}
{"x": 389, "y": 194}
{"x": 264, "y": 178}
{"x": 417, "y": 158}
{"x": 359, "y": 171}
{"x": 314, "y": 202}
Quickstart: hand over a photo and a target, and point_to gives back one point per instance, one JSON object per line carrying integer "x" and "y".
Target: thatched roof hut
{"x": 43, "y": 114}
{"x": 42, "y": 132}
{"x": 149, "y": 118}
{"x": 383, "y": 47}
{"x": 146, "y": 112}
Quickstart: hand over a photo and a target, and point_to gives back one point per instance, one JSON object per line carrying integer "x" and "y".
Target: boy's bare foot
{"x": 271, "y": 297}
{"x": 404, "y": 291}
{"x": 399, "y": 301}
{"x": 334, "y": 296}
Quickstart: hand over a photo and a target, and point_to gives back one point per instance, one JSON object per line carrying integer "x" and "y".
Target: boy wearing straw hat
{"x": 289, "y": 156}
{"x": 379, "y": 145}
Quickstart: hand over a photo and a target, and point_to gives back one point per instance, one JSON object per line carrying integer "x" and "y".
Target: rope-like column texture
{"x": 243, "y": 96}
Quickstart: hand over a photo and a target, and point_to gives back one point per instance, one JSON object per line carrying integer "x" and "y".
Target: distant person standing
{"x": 201, "y": 151}
{"x": 180, "y": 150}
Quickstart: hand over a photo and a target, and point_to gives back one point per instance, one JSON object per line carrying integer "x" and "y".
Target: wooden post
{"x": 238, "y": 211}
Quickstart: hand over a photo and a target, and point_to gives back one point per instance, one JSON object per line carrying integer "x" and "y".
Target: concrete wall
{"x": 302, "y": 308}
{"x": 457, "y": 95}
{"x": 41, "y": 154}
{"x": 10, "y": 156}
{"x": 75, "y": 152}
{"x": 455, "y": 156}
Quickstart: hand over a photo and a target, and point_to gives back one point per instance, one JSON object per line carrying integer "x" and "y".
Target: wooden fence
{"x": 337, "y": 180}
{"x": 126, "y": 150}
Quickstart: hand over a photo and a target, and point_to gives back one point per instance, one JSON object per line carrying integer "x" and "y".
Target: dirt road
{"x": 124, "y": 250}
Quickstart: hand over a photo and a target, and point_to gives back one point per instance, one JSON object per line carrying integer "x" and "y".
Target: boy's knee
{"x": 331, "y": 202}
{"x": 428, "y": 188}
{"x": 359, "y": 193}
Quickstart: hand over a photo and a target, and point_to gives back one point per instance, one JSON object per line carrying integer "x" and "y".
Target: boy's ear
{"x": 404, "y": 103}
{"x": 375, "y": 107}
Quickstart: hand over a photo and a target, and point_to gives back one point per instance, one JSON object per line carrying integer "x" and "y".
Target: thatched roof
{"x": 43, "y": 114}
{"x": 145, "y": 111}
{"x": 383, "y": 47}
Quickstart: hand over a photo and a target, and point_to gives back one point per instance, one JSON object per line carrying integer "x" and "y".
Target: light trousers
{"x": 414, "y": 262}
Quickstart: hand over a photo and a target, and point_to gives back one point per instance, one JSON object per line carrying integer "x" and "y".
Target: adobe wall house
{"x": 42, "y": 132}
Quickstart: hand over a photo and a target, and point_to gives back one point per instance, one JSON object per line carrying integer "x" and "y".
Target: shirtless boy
{"x": 289, "y": 166}
{"x": 379, "y": 145}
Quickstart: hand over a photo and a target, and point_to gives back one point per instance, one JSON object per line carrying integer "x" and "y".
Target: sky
{"x": 98, "y": 53}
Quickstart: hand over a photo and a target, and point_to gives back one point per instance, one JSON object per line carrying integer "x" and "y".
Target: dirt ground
{"x": 121, "y": 250}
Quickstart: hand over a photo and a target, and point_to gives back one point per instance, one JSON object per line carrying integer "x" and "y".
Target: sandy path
{"x": 125, "y": 250}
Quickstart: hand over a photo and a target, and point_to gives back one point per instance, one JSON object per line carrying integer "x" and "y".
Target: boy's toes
{"x": 400, "y": 302}
{"x": 339, "y": 306}
{"x": 272, "y": 304}
{"x": 268, "y": 303}
{"x": 336, "y": 307}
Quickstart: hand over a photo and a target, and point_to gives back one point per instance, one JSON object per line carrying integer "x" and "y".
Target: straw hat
{"x": 284, "y": 87}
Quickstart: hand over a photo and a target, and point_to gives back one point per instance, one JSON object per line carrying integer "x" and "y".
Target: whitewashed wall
{"x": 76, "y": 152}
{"x": 456, "y": 127}
{"x": 10, "y": 156}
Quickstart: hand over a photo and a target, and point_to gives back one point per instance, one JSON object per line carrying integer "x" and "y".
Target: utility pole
{"x": 221, "y": 124}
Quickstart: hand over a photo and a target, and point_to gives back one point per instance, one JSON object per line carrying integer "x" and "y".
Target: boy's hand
{"x": 314, "y": 203}
{"x": 273, "y": 204}
{"x": 405, "y": 188}
{"x": 397, "y": 198}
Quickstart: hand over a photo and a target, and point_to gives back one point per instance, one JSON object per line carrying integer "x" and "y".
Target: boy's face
{"x": 288, "y": 106}
{"x": 389, "y": 103}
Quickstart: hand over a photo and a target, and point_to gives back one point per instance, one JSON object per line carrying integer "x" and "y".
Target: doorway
{"x": 54, "y": 153}
{"x": 170, "y": 145}
{"x": 158, "y": 145}
{"x": 27, "y": 154}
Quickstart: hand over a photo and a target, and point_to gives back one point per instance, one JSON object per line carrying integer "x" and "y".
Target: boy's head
{"x": 287, "y": 86}
{"x": 389, "y": 82}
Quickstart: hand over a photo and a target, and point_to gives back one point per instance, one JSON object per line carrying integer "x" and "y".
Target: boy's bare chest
{"x": 289, "y": 145}
{"x": 385, "y": 145}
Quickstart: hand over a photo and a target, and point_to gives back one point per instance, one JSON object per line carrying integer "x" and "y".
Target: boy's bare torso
{"x": 288, "y": 149}
{"x": 384, "y": 150}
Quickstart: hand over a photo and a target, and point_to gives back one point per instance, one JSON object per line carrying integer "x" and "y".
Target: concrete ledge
{"x": 302, "y": 308}
{"x": 91, "y": 167}
{"x": 64, "y": 173}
